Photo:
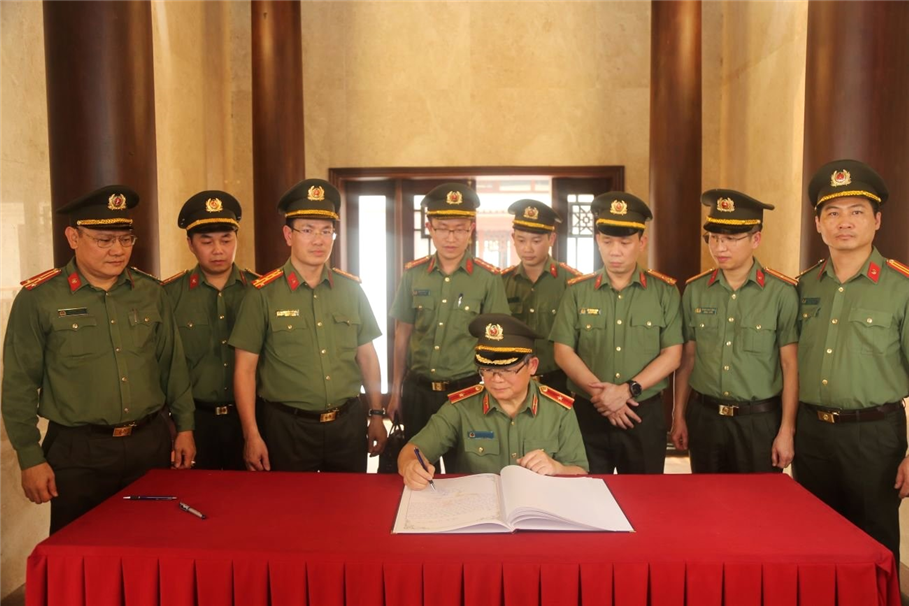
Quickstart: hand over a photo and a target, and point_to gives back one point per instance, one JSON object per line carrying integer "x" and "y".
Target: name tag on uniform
{"x": 587, "y": 311}
{"x": 481, "y": 435}
{"x": 811, "y": 301}
{"x": 73, "y": 311}
{"x": 421, "y": 292}
{"x": 287, "y": 313}
{"x": 708, "y": 311}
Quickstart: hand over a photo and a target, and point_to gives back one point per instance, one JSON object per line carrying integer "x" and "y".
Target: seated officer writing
{"x": 507, "y": 420}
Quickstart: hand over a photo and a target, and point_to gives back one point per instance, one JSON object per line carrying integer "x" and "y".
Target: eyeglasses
{"x": 447, "y": 233}
{"x": 502, "y": 373}
{"x": 309, "y": 233}
{"x": 126, "y": 241}
{"x": 724, "y": 240}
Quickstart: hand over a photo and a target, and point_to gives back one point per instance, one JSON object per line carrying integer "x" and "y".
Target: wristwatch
{"x": 377, "y": 412}
{"x": 635, "y": 388}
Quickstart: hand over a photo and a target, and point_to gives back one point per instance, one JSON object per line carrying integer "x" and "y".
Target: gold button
{"x": 618, "y": 375}
{"x": 436, "y": 348}
{"x": 620, "y": 296}
{"x": 841, "y": 289}
{"x": 146, "y": 320}
{"x": 189, "y": 324}
{"x": 219, "y": 317}
{"x": 834, "y": 321}
{"x": 733, "y": 295}
{"x": 113, "y": 321}
{"x": 448, "y": 279}
{"x": 618, "y": 348}
{"x": 804, "y": 315}
{"x": 443, "y": 301}
{"x": 223, "y": 341}
{"x": 290, "y": 326}
{"x": 725, "y": 368}
{"x": 725, "y": 393}
{"x": 220, "y": 294}
{"x": 732, "y": 319}
{"x": 123, "y": 379}
{"x": 701, "y": 326}
{"x": 328, "y": 377}
{"x": 588, "y": 327}
{"x": 758, "y": 326}
{"x": 318, "y": 324}
{"x": 512, "y": 423}
{"x": 868, "y": 320}
{"x": 728, "y": 343}
{"x": 824, "y": 382}
{"x": 467, "y": 308}
{"x": 323, "y": 352}
{"x": 117, "y": 349}
{"x": 441, "y": 323}
{"x": 531, "y": 309}
{"x": 830, "y": 351}
{"x": 225, "y": 365}
{"x": 619, "y": 322}
{"x": 649, "y": 324}
{"x": 315, "y": 296}
{"x": 514, "y": 455}
{"x": 75, "y": 326}
{"x": 419, "y": 307}
{"x": 432, "y": 370}
{"x": 480, "y": 449}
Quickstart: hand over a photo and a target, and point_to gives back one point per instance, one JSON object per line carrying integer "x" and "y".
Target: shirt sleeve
{"x": 787, "y": 330}
{"x": 23, "y": 373}
{"x": 402, "y": 308}
{"x": 571, "y": 445}
{"x": 440, "y": 433}
{"x": 672, "y": 314}
{"x": 369, "y": 328}
{"x": 249, "y": 329}
{"x": 175, "y": 381}
{"x": 565, "y": 328}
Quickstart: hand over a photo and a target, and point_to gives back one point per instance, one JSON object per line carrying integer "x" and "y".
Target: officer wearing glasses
{"x": 508, "y": 420}
{"x": 307, "y": 330}
{"x": 92, "y": 347}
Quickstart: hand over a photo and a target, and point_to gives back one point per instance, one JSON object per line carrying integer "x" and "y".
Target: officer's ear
{"x": 72, "y": 237}
{"x": 552, "y": 239}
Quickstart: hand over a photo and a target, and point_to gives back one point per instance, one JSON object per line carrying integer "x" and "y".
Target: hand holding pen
{"x": 421, "y": 478}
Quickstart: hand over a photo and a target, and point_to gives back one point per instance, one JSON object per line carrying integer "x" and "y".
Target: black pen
{"x": 184, "y": 507}
{"x": 143, "y": 497}
{"x": 423, "y": 464}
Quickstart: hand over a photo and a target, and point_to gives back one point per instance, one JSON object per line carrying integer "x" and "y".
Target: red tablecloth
{"x": 324, "y": 539}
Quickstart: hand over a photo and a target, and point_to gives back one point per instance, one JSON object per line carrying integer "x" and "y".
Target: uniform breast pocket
{"x": 480, "y": 447}
{"x": 591, "y": 334}
{"x": 290, "y": 337}
{"x": 466, "y": 311}
{"x": 871, "y": 331}
{"x": 706, "y": 328}
{"x": 78, "y": 336}
{"x": 196, "y": 336}
{"x": 759, "y": 334}
{"x": 347, "y": 327}
{"x": 549, "y": 446}
{"x": 516, "y": 307}
{"x": 424, "y": 313}
{"x": 143, "y": 326}
{"x": 644, "y": 333}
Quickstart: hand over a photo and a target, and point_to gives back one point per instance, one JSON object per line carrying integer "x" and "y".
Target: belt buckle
{"x": 726, "y": 410}
{"x": 439, "y": 385}
{"x": 327, "y": 417}
{"x": 221, "y": 410}
{"x": 827, "y": 416}
{"x": 125, "y": 430}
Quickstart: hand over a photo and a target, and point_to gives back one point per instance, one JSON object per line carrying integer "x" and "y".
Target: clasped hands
{"x": 614, "y": 402}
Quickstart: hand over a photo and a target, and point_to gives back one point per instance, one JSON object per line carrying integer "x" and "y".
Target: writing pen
{"x": 460, "y": 296}
{"x": 145, "y": 497}
{"x": 423, "y": 464}
{"x": 184, "y": 507}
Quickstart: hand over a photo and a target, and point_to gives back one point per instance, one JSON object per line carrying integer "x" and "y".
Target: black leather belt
{"x": 115, "y": 431}
{"x": 326, "y": 416}
{"x": 444, "y": 386}
{"x": 555, "y": 375}
{"x": 730, "y": 408}
{"x": 216, "y": 408}
{"x": 838, "y": 415}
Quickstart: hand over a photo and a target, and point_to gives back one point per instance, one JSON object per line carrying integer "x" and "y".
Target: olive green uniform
{"x": 307, "y": 340}
{"x": 738, "y": 334}
{"x": 91, "y": 361}
{"x": 205, "y": 317}
{"x": 853, "y": 353}
{"x": 486, "y": 439}
{"x": 617, "y": 334}
{"x": 441, "y": 349}
{"x": 536, "y": 304}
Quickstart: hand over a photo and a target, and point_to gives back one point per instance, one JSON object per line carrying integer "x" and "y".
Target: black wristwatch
{"x": 635, "y": 388}
{"x": 377, "y": 412}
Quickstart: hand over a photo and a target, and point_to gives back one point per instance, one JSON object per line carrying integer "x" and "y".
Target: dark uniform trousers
{"x": 419, "y": 402}
{"x": 555, "y": 379}
{"x": 852, "y": 468}
{"x": 731, "y": 444}
{"x": 641, "y": 449}
{"x": 300, "y": 441}
{"x": 90, "y": 465}
{"x": 218, "y": 436}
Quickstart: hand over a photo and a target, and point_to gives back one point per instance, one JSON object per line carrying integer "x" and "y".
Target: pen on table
{"x": 146, "y": 497}
{"x": 423, "y": 464}
{"x": 192, "y": 510}
{"x": 460, "y": 296}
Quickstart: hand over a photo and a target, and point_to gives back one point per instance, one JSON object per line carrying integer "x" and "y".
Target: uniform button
{"x": 443, "y": 301}
{"x": 117, "y": 349}
{"x": 318, "y": 324}
{"x": 219, "y": 317}
{"x": 830, "y": 351}
{"x": 728, "y": 343}
{"x": 189, "y": 324}
{"x": 432, "y": 370}
{"x": 841, "y": 289}
{"x": 804, "y": 315}
{"x": 758, "y": 326}
{"x": 441, "y": 323}
{"x": 225, "y": 365}
{"x": 725, "y": 393}
{"x": 619, "y": 322}
{"x": 126, "y": 410}
{"x": 467, "y": 308}
{"x": 620, "y": 296}
{"x": 220, "y": 294}
{"x": 480, "y": 449}
{"x": 436, "y": 347}
{"x": 290, "y": 326}
{"x": 107, "y": 294}
{"x": 733, "y": 296}
{"x": 726, "y": 368}
{"x": 618, "y": 375}
{"x": 618, "y": 348}
{"x": 75, "y": 326}
{"x": 223, "y": 341}
{"x": 531, "y": 310}
{"x": 323, "y": 352}
{"x": 448, "y": 279}
{"x": 588, "y": 327}
{"x": 732, "y": 319}
{"x": 824, "y": 382}
{"x": 834, "y": 321}
{"x": 701, "y": 326}
{"x": 225, "y": 389}
{"x": 649, "y": 323}
{"x": 328, "y": 377}
{"x": 514, "y": 455}
{"x": 869, "y": 320}
{"x": 419, "y": 307}
{"x": 512, "y": 423}
{"x": 315, "y": 296}
{"x": 123, "y": 379}
{"x": 113, "y": 321}
{"x": 146, "y": 320}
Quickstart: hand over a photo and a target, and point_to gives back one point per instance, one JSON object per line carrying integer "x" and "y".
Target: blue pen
{"x": 416, "y": 451}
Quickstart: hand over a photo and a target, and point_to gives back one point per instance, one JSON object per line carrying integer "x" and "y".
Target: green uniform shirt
{"x": 78, "y": 355}
{"x": 205, "y": 317}
{"x": 487, "y": 439}
{"x": 739, "y": 333}
{"x": 307, "y": 338}
{"x": 536, "y": 303}
{"x": 854, "y": 341}
{"x": 618, "y": 333}
{"x": 440, "y": 307}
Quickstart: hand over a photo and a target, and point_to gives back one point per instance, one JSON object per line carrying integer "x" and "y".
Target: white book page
{"x": 468, "y": 504}
{"x": 537, "y": 502}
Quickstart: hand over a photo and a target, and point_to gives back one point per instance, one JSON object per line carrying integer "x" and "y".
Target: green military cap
{"x": 732, "y": 211}
{"x": 619, "y": 213}
{"x": 311, "y": 199}
{"x": 105, "y": 208}
{"x": 534, "y": 216}
{"x": 451, "y": 200}
{"x": 211, "y": 210}
{"x": 502, "y": 339}
{"x": 846, "y": 178}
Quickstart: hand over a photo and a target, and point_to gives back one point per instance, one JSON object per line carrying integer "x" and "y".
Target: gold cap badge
{"x": 116, "y": 202}
{"x": 840, "y": 178}
{"x": 531, "y": 213}
{"x": 725, "y": 205}
{"x": 315, "y": 194}
{"x": 618, "y": 207}
{"x": 494, "y": 332}
{"x": 213, "y": 205}
{"x": 453, "y": 197}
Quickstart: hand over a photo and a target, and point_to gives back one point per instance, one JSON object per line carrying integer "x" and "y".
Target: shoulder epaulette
{"x": 268, "y": 278}
{"x": 510, "y": 269}
{"x": 174, "y": 277}
{"x": 417, "y": 262}
{"x": 780, "y": 276}
{"x": 700, "y": 275}
{"x": 663, "y": 277}
{"x": 570, "y": 269}
{"x": 809, "y": 269}
{"x": 145, "y": 273}
{"x": 457, "y": 396}
{"x": 252, "y": 273}
{"x": 581, "y": 278}
{"x": 898, "y": 267}
{"x": 487, "y": 266}
{"x": 40, "y": 278}
{"x": 557, "y": 396}
{"x": 346, "y": 275}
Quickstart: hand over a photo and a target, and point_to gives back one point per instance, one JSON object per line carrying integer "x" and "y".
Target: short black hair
{"x": 212, "y": 228}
